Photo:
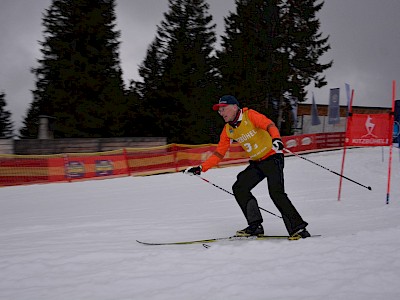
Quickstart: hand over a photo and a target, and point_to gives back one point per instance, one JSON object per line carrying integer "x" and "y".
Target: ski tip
{"x": 145, "y": 243}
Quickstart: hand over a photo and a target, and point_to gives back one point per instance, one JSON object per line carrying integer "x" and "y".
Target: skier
{"x": 260, "y": 138}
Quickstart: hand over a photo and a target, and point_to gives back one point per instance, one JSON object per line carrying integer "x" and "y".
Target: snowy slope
{"x": 77, "y": 240}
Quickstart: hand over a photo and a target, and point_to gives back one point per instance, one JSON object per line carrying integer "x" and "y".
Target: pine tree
{"x": 179, "y": 75}
{"x": 148, "y": 103}
{"x": 270, "y": 52}
{"x": 30, "y": 128}
{"x": 6, "y": 125}
{"x": 302, "y": 46}
{"x": 247, "y": 59}
{"x": 79, "y": 80}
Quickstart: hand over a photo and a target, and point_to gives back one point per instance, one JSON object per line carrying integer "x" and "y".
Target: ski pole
{"x": 302, "y": 157}
{"x": 230, "y": 193}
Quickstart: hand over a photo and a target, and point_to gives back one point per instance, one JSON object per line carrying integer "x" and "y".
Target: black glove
{"x": 193, "y": 170}
{"x": 277, "y": 144}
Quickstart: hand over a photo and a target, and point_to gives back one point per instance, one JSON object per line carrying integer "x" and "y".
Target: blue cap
{"x": 224, "y": 101}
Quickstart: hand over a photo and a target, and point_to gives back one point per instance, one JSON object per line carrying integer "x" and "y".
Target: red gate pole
{"x": 391, "y": 140}
{"x": 348, "y": 121}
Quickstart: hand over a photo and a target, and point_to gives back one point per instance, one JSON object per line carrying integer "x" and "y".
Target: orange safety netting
{"x": 29, "y": 169}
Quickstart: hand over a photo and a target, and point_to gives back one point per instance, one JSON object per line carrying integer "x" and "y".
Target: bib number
{"x": 248, "y": 147}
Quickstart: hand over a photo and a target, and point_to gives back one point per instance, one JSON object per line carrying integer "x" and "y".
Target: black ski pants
{"x": 270, "y": 168}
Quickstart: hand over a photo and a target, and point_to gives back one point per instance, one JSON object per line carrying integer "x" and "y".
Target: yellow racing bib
{"x": 255, "y": 141}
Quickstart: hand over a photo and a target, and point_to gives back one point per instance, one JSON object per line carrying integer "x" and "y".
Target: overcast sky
{"x": 364, "y": 36}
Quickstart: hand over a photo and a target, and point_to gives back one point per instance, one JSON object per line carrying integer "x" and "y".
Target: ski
{"x": 230, "y": 238}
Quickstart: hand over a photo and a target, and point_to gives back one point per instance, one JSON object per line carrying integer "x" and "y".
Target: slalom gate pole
{"x": 230, "y": 193}
{"x": 390, "y": 139}
{"x": 342, "y": 176}
{"x": 348, "y": 122}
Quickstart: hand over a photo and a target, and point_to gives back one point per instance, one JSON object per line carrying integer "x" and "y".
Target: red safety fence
{"x": 30, "y": 169}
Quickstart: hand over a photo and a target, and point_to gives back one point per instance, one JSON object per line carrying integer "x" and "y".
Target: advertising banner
{"x": 369, "y": 130}
{"x": 334, "y": 109}
{"x": 396, "y": 127}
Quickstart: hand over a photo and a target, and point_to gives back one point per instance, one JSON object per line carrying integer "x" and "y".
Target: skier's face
{"x": 228, "y": 113}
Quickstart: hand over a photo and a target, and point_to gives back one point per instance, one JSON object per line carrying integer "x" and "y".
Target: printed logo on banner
{"x": 369, "y": 126}
{"x": 299, "y": 141}
{"x": 306, "y": 141}
{"x": 75, "y": 169}
{"x": 291, "y": 143}
{"x": 104, "y": 167}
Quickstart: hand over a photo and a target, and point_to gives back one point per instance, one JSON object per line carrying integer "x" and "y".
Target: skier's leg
{"x": 273, "y": 169}
{"x": 246, "y": 181}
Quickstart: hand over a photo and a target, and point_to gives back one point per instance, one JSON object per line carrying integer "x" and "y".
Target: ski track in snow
{"x": 77, "y": 240}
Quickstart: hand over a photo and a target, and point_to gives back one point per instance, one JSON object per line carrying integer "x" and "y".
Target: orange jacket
{"x": 258, "y": 121}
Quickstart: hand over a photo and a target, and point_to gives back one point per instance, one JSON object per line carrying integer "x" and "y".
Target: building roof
{"x": 305, "y": 109}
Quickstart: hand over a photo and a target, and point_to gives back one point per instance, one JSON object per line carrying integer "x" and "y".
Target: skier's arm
{"x": 223, "y": 146}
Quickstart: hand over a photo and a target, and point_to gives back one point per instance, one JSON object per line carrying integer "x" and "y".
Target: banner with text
{"x": 369, "y": 130}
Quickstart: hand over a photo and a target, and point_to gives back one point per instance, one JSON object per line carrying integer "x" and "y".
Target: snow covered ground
{"x": 77, "y": 240}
